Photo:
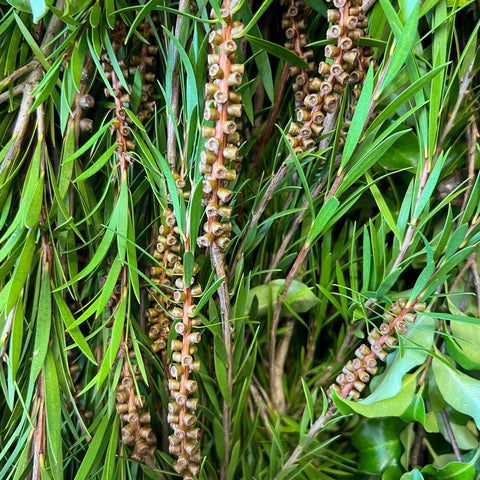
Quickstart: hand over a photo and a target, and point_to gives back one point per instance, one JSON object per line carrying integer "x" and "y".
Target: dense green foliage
{"x": 325, "y": 245}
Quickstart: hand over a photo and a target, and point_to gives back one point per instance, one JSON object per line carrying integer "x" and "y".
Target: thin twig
{"x": 39, "y": 435}
{"x": 267, "y": 131}
{"x": 280, "y": 251}
{"x": 175, "y": 93}
{"x": 451, "y": 436}
{"x": 17, "y": 90}
{"x": 218, "y": 261}
{"x": 472, "y": 137}
{"x": 31, "y": 65}
{"x": 314, "y": 429}
{"x": 465, "y": 82}
{"x": 476, "y": 281}
{"x": 272, "y": 186}
{"x": 278, "y": 392}
{"x": 30, "y": 83}
{"x": 417, "y": 445}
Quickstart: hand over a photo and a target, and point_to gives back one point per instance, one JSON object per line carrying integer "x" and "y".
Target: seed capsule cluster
{"x": 223, "y": 108}
{"x": 122, "y": 99}
{"x": 86, "y": 102}
{"x": 167, "y": 253}
{"x": 174, "y": 306}
{"x": 146, "y": 63}
{"x": 137, "y": 431}
{"x": 184, "y": 442}
{"x": 346, "y": 64}
{"x": 132, "y": 408}
{"x": 357, "y": 373}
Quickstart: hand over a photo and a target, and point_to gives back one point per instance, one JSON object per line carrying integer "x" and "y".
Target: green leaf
{"x": 69, "y": 321}
{"x": 121, "y": 215}
{"x": 89, "y": 143}
{"x": 207, "y": 294}
{"x": 427, "y": 192}
{"x": 97, "y": 258}
{"x": 254, "y": 21}
{"x": 188, "y": 263}
{"x": 221, "y": 368}
{"x": 299, "y": 298}
{"x": 277, "y": 51}
{"x": 53, "y": 410}
{"x": 43, "y": 326}
{"x": 390, "y": 407}
{"x": 451, "y": 382}
{"x": 195, "y": 214}
{"x": 452, "y": 471}
{"x": 32, "y": 211}
{"x": 382, "y": 206}
{"x": 413, "y": 475}
{"x": 95, "y": 449}
{"x": 39, "y": 9}
{"x": 112, "y": 57}
{"x": 234, "y": 460}
{"x": 358, "y": 121}
{"x": 22, "y": 270}
{"x": 98, "y": 164}
{"x": 16, "y": 339}
{"x": 403, "y": 43}
{"x": 95, "y": 14}
{"x": 32, "y": 43}
{"x": 417, "y": 342}
{"x": 112, "y": 349}
{"x": 323, "y": 217}
{"x": 378, "y": 443}
{"x": 109, "y": 285}
{"x": 464, "y": 345}
{"x": 111, "y": 453}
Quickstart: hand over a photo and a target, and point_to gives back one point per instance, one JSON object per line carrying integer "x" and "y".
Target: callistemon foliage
{"x": 239, "y": 240}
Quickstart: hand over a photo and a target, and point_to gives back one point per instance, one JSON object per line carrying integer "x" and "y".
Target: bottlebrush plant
{"x": 239, "y": 240}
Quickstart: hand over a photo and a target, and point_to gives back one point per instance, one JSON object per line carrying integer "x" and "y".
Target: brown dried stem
{"x": 451, "y": 435}
{"x": 172, "y": 119}
{"x": 30, "y": 84}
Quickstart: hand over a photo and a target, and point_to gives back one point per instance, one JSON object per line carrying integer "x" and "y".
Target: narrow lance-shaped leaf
{"x": 358, "y": 121}
{"x": 43, "y": 325}
{"x": 53, "y": 410}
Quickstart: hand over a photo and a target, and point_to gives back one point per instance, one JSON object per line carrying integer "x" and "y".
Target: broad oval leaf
{"x": 299, "y": 297}
{"x": 459, "y": 390}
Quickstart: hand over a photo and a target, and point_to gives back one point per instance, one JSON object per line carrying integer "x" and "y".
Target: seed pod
{"x": 192, "y": 404}
{"x": 229, "y": 47}
{"x": 224, "y": 194}
{"x": 410, "y": 317}
{"x": 86, "y": 102}
{"x": 401, "y": 327}
{"x": 384, "y": 328}
{"x": 222, "y": 242}
{"x": 333, "y": 15}
{"x": 331, "y": 51}
{"x": 363, "y": 376}
{"x": 215, "y": 38}
{"x": 391, "y": 342}
{"x": 220, "y": 96}
{"x": 324, "y": 68}
{"x": 86, "y": 125}
{"x": 420, "y": 306}
{"x": 195, "y": 366}
{"x": 208, "y": 132}
{"x": 234, "y": 110}
{"x": 211, "y": 114}
{"x": 213, "y": 144}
